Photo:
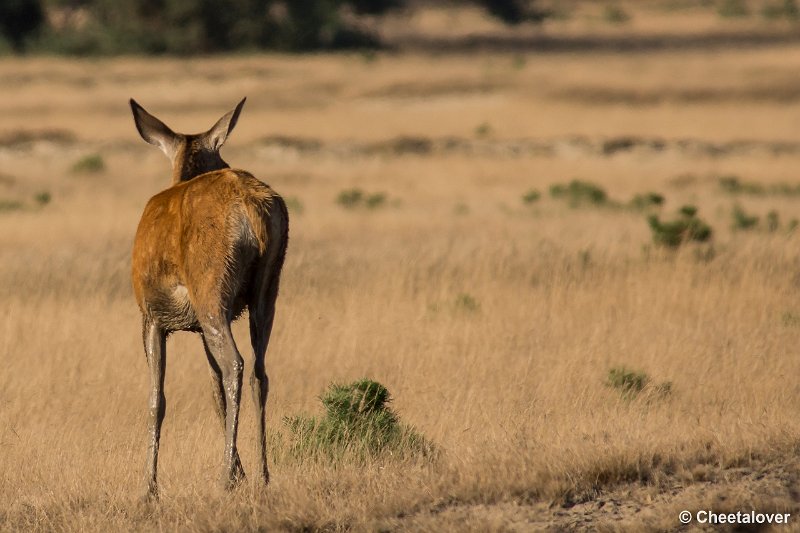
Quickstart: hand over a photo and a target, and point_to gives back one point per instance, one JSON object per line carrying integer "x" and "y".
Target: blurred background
{"x": 190, "y": 27}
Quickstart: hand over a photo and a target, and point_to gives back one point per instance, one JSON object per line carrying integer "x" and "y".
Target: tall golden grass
{"x": 494, "y": 324}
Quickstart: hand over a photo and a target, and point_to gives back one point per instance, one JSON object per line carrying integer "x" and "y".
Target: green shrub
{"x": 350, "y": 198}
{"x": 743, "y": 221}
{"x": 375, "y": 200}
{"x": 467, "y": 302}
{"x": 483, "y": 130}
{"x": 646, "y": 201}
{"x": 42, "y": 198}
{"x": 90, "y": 164}
{"x": 579, "y": 193}
{"x": 357, "y": 424}
{"x": 10, "y": 205}
{"x": 685, "y": 228}
{"x": 530, "y": 197}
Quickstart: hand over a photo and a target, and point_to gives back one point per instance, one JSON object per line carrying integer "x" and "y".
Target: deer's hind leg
{"x": 155, "y": 348}
{"x": 219, "y": 340}
{"x": 218, "y": 395}
{"x": 262, "y": 315}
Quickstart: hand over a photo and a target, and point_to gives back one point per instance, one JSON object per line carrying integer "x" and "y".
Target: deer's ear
{"x": 217, "y": 135}
{"x": 154, "y": 131}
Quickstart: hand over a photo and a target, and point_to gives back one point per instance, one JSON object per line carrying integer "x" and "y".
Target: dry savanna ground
{"x": 493, "y": 322}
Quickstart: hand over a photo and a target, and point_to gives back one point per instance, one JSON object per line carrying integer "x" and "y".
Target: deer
{"x": 207, "y": 248}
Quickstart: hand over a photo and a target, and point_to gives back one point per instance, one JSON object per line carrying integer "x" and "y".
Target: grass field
{"x": 493, "y": 322}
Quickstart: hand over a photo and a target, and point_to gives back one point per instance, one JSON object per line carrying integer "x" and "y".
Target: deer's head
{"x": 191, "y": 155}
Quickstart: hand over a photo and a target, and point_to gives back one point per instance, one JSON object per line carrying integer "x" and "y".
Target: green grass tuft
{"x": 357, "y": 424}
{"x": 628, "y": 382}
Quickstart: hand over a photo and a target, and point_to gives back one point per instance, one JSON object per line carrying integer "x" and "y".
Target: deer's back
{"x": 197, "y": 243}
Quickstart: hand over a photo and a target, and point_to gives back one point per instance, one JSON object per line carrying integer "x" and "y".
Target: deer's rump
{"x": 201, "y": 243}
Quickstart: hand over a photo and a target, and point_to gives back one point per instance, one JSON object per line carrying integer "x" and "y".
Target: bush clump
{"x": 531, "y": 197}
{"x": 685, "y": 228}
{"x": 42, "y": 198}
{"x": 579, "y": 193}
{"x": 358, "y": 424}
{"x": 743, "y": 221}
{"x": 645, "y": 201}
{"x": 90, "y": 164}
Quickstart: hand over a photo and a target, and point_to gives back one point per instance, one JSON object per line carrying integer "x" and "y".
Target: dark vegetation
{"x": 686, "y": 227}
{"x": 91, "y": 27}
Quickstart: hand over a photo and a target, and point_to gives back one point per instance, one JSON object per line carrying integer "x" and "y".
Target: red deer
{"x": 207, "y": 248}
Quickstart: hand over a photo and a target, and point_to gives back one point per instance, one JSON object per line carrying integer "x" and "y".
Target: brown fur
{"x": 206, "y": 249}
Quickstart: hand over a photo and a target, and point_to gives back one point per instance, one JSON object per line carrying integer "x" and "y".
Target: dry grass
{"x": 509, "y": 383}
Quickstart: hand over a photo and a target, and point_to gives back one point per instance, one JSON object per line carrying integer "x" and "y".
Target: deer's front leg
{"x": 155, "y": 341}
